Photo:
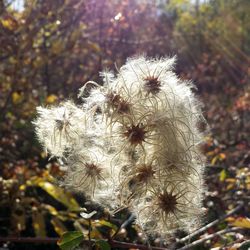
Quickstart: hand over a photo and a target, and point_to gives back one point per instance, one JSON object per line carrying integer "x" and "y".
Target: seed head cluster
{"x": 134, "y": 143}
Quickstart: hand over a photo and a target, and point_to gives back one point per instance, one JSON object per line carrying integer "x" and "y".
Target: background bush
{"x": 51, "y": 48}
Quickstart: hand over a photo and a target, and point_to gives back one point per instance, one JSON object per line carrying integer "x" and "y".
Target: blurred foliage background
{"x": 49, "y": 49}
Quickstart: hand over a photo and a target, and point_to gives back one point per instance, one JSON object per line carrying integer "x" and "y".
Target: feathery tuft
{"x": 133, "y": 143}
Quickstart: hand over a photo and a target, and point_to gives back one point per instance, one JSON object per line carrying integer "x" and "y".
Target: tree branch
{"x": 29, "y": 240}
{"x": 48, "y": 240}
{"x": 201, "y": 230}
{"x": 210, "y": 236}
{"x": 126, "y": 245}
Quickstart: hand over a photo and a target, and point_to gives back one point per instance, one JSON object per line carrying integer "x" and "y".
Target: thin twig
{"x": 114, "y": 243}
{"x": 133, "y": 245}
{"x": 201, "y": 230}
{"x": 124, "y": 225}
{"x": 47, "y": 240}
{"x": 210, "y": 236}
{"x": 89, "y": 235}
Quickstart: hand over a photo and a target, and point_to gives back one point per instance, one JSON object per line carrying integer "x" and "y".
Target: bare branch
{"x": 47, "y": 240}
{"x": 210, "y": 236}
{"x": 29, "y": 240}
{"x": 213, "y": 223}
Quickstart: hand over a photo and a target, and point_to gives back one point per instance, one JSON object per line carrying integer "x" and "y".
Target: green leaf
{"x": 56, "y": 192}
{"x": 107, "y": 224}
{"x": 104, "y": 227}
{"x": 103, "y": 245}
{"x": 245, "y": 245}
{"x": 70, "y": 240}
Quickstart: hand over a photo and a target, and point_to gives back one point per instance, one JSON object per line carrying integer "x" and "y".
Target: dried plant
{"x": 133, "y": 143}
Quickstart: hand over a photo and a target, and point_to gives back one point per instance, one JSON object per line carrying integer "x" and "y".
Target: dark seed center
{"x": 144, "y": 173}
{"x": 152, "y": 85}
{"x": 135, "y": 134}
{"x": 167, "y": 202}
{"x": 117, "y": 102}
{"x": 93, "y": 170}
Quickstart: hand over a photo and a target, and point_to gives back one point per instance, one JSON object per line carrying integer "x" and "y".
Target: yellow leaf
{"x": 230, "y": 186}
{"x": 67, "y": 216}
{"x": 56, "y": 192}
{"x": 230, "y": 219}
{"x": 59, "y": 194}
{"x": 223, "y": 175}
{"x": 22, "y": 187}
{"x": 58, "y": 226}
{"x": 72, "y": 215}
{"x": 38, "y": 223}
{"x": 51, "y": 99}
{"x": 9, "y": 23}
{"x": 51, "y": 209}
{"x": 211, "y": 153}
{"x": 214, "y": 160}
{"x": 243, "y": 222}
{"x": 95, "y": 234}
{"x": 43, "y": 154}
{"x": 63, "y": 217}
{"x": 16, "y": 98}
{"x": 231, "y": 180}
{"x": 219, "y": 157}
{"x": 98, "y": 223}
{"x": 248, "y": 182}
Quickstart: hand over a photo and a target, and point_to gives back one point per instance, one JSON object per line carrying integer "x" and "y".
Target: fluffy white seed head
{"x": 169, "y": 206}
{"x": 59, "y": 128}
{"x": 133, "y": 143}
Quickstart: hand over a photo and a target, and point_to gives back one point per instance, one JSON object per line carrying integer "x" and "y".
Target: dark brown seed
{"x": 118, "y": 103}
{"x": 144, "y": 173}
{"x": 152, "y": 84}
{"x": 136, "y": 134}
{"x": 93, "y": 170}
{"x": 167, "y": 202}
